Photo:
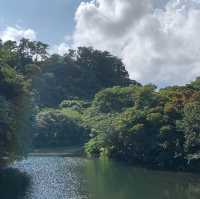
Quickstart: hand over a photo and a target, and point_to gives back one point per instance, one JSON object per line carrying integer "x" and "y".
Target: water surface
{"x": 79, "y": 178}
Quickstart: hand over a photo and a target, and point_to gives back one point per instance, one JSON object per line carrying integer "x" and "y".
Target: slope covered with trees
{"x": 79, "y": 74}
{"x": 153, "y": 128}
{"x": 32, "y": 82}
{"x": 86, "y": 97}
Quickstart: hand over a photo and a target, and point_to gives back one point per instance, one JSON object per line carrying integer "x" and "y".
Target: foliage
{"x": 145, "y": 126}
{"x": 114, "y": 99}
{"x": 14, "y": 121}
{"x": 77, "y": 105}
{"x": 80, "y": 73}
{"x": 86, "y": 97}
{"x": 58, "y": 128}
{"x": 16, "y": 97}
{"x": 30, "y": 79}
{"x": 191, "y": 126}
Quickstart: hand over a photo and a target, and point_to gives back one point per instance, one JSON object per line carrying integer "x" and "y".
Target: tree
{"x": 56, "y": 128}
{"x": 191, "y": 127}
{"x": 14, "y": 120}
{"x": 80, "y": 73}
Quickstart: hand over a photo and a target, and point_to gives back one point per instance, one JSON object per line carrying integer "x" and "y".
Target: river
{"x": 80, "y": 178}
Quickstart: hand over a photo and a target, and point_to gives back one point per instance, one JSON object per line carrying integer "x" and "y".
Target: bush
{"x": 55, "y": 128}
{"x": 77, "y": 105}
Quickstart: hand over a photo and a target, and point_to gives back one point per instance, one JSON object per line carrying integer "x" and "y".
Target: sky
{"x": 158, "y": 40}
{"x": 52, "y": 20}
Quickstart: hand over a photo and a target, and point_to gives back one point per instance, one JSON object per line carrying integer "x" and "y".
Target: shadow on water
{"x": 13, "y": 184}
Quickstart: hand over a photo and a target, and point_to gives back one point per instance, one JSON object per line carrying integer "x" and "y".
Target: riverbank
{"x": 74, "y": 151}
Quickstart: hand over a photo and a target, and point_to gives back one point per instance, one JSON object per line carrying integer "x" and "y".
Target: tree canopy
{"x": 86, "y": 97}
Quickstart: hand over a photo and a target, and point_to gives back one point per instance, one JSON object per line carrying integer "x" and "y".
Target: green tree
{"x": 191, "y": 127}
{"x": 14, "y": 119}
{"x": 56, "y": 128}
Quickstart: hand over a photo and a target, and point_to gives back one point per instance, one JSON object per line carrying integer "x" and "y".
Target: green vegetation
{"x": 144, "y": 126}
{"x": 59, "y": 128}
{"x": 87, "y": 98}
{"x": 14, "y": 114}
{"x": 32, "y": 83}
{"x": 78, "y": 74}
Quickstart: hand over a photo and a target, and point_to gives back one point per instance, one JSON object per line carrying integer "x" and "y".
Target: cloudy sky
{"x": 158, "y": 40}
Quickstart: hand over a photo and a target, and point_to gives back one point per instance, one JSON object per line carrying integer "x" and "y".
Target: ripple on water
{"x": 54, "y": 177}
{"x": 79, "y": 178}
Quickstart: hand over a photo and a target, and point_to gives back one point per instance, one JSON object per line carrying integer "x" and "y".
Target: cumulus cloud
{"x": 63, "y": 47}
{"x": 60, "y": 49}
{"x": 17, "y": 33}
{"x": 158, "y": 45}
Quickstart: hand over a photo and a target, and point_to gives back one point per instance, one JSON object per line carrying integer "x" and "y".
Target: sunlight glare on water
{"x": 53, "y": 177}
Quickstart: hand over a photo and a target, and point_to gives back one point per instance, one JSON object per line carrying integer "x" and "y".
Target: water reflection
{"x": 112, "y": 180}
{"x": 13, "y": 184}
{"x": 78, "y": 178}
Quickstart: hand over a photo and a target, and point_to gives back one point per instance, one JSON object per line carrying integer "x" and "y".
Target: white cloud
{"x": 63, "y": 47}
{"x": 161, "y": 46}
{"x": 17, "y": 33}
{"x": 60, "y": 49}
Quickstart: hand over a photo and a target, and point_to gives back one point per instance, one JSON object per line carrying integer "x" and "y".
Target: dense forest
{"x": 86, "y": 98}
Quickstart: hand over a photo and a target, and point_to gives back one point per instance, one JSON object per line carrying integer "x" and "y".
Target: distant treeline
{"x": 86, "y": 97}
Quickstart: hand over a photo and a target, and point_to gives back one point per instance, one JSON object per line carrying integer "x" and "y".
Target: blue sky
{"x": 51, "y": 19}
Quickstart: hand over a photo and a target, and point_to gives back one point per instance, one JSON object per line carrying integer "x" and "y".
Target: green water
{"x": 79, "y": 178}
